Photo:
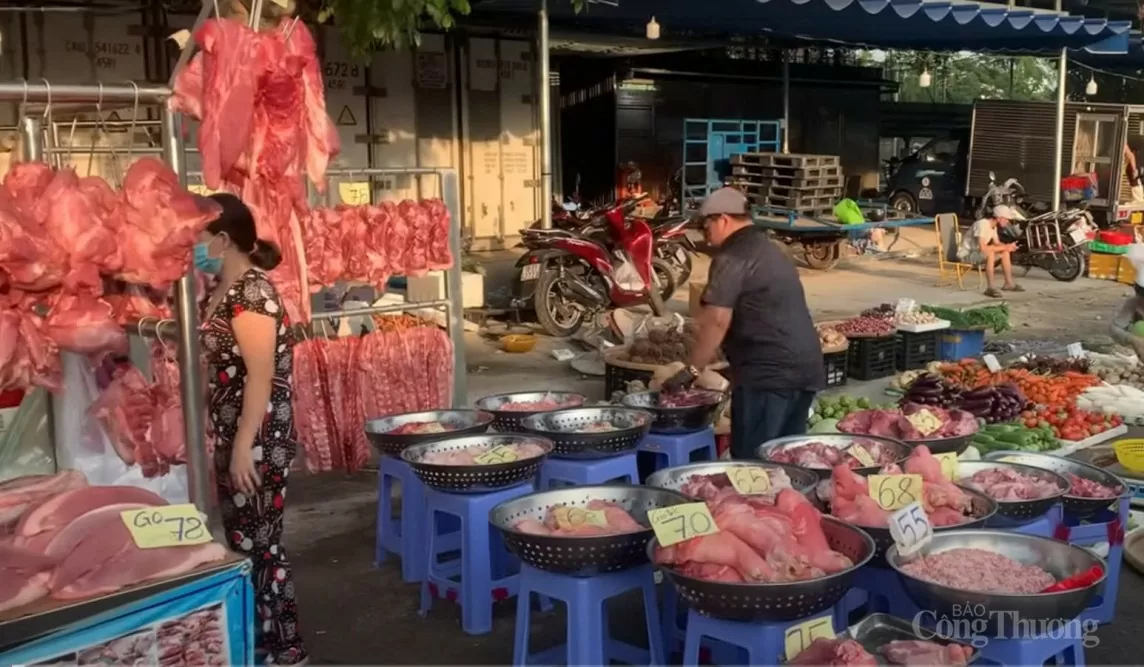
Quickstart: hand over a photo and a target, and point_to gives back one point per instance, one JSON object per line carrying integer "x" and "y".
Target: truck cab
{"x": 932, "y": 179}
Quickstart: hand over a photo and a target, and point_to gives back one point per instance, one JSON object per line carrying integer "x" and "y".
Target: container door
{"x": 1095, "y": 150}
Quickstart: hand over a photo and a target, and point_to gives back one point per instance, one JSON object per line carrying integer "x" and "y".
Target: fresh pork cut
{"x": 40, "y": 524}
{"x": 20, "y": 494}
{"x": 944, "y": 502}
{"x": 838, "y": 652}
{"x": 24, "y": 576}
{"x": 921, "y": 653}
{"x": 566, "y": 521}
{"x": 1007, "y": 485}
{"x": 979, "y": 570}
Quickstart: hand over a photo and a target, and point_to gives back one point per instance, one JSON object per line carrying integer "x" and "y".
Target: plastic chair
{"x": 948, "y": 241}
{"x": 589, "y": 642}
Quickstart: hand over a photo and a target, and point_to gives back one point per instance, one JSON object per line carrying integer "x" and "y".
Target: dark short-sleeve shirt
{"x": 772, "y": 344}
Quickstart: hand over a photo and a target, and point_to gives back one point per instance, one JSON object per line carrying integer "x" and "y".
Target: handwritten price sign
{"x": 749, "y": 480}
{"x": 796, "y": 639}
{"x": 948, "y": 463}
{"x": 166, "y": 526}
{"x": 893, "y": 492}
{"x": 354, "y": 194}
{"x": 571, "y": 517}
{"x": 859, "y": 452}
{"x": 681, "y": 522}
{"x": 501, "y": 454}
{"x": 910, "y": 528}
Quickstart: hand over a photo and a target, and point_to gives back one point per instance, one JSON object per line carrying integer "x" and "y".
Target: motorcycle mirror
{"x": 570, "y": 206}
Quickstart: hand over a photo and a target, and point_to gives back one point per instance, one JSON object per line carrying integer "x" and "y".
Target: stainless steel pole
{"x": 451, "y": 192}
{"x": 545, "y": 118}
{"x": 32, "y": 133}
{"x": 1058, "y": 147}
{"x": 786, "y": 104}
{"x": 21, "y": 91}
{"x": 186, "y": 307}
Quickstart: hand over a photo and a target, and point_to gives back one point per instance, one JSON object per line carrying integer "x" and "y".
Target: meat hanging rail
{"x": 186, "y": 317}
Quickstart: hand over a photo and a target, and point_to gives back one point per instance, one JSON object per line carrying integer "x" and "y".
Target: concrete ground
{"x": 354, "y": 613}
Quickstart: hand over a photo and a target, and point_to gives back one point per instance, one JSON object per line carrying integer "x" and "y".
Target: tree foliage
{"x": 961, "y": 78}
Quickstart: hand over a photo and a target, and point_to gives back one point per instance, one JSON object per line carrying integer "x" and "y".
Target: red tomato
{"x": 1094, "y": 418}
{"x": 1030, "y": 423}
{"x": 1096, "y": 428}
{"x": 1116, "y": 420}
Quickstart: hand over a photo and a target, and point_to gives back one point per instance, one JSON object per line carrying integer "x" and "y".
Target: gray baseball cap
{"x": 724, "y": 201}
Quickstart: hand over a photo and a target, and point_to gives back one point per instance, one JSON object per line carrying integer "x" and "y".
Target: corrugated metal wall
{"x": 1016, "y": 139}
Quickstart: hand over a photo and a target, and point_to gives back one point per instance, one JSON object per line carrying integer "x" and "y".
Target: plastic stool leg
{"x": 669, "y": 619}
{"x": 430, "y": 557}
{"x": 383, "y": 521}
{"x": 691, "y": 645}
{"x": 476, "y": 577}
{"x": 523, "y": 619}
{"x": 412, "y": 530}
{"x": 712, "y": 454}
{"x": 633, "y": 471}
{"x": 655, "y": 643}
{"x": 586, "y": 636}
{"x": 1075, "y": 653}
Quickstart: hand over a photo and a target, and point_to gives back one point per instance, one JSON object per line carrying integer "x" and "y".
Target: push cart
{"x": 820, "y": 236}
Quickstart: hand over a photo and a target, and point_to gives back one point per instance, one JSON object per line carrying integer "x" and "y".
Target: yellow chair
{"x": 948, "y": 241}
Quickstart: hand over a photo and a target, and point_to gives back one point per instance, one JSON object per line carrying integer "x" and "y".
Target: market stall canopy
{"x": 1133, "y": 59}
{"x": 930, "y": 25}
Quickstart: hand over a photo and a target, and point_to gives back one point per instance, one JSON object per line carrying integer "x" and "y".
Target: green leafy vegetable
{"x": 995, "y": 318}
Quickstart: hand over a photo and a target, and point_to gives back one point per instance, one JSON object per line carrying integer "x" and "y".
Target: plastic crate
{"x": 957, "y": 344}
{"x": 1107, "y": 248}
{"x": 616, "y": 378}
{"x": 915, "y": 350}
{"x": 872, "y": 358}
{"x": 835, "y": 364}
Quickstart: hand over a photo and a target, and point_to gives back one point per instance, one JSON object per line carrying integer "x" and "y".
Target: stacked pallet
{"x": 806, "y": 184}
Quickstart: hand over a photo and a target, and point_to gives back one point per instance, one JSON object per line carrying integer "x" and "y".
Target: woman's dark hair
{"x": 237, "y": 222}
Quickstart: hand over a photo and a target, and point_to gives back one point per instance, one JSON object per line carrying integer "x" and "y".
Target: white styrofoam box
{"x": 431, "y": 287}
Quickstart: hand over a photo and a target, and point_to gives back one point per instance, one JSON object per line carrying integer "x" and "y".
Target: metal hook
{"x": 99, "y": 126}
{"x": 48, "y": 106}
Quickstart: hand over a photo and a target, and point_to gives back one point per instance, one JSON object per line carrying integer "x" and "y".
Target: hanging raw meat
{"x": 84, "y": 324}
{"x": 77, "y": 223}
{"x": 440, "y": 256}
{"x": 417, "y": 221}
{"x": 28, "y": 357}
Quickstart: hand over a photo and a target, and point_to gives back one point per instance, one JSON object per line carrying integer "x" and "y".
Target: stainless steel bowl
{"x": 1016, "y": 512}
{"x": 1076, "y": 506}
{"x": 957, "y": 444}
{"x": 458, "y": 422}
{"x": 581, "y": 556}
{"x": 1060, "y": 559}
{"x": 801, "y": 479}
{"x": 776, "y": 602}
{"x": 676, "y": 420}
{"x": 475, "y": 478}
{"x": 508, "y": 421}
{"x": 766, "y": 450}
{"x": 561, "y": 427}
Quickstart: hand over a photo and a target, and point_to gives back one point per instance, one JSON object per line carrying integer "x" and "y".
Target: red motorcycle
{"x": 568, "y": 276}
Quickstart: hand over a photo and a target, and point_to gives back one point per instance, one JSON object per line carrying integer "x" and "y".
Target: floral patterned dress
{"x": 254, "y": 524}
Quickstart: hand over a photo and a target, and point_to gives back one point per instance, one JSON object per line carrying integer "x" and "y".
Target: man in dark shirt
{"x": 755, "y": 307}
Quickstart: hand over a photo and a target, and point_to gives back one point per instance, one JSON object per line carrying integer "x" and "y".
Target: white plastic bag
{"x": 627, "y": 277}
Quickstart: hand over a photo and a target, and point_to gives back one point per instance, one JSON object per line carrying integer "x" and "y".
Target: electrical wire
{"x": 1097, "y": 70}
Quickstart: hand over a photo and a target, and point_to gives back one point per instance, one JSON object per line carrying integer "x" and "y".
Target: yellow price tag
{"x": 1009, "y": 459}
{"x": 354, "y": 194}
{"x": 749, "y": 480}
{"x": 571, "y": 517}
{"x": 499, "y": 454}
{"x": 200, "y": 190}
{"x": 859, "y": 452}
{"x": 166, "y": 526}
{"x": 948, "y": 463}
{"x": 799, "y": 637}
{"x": 893, "y": 492}
{"x": 681, "y": 522}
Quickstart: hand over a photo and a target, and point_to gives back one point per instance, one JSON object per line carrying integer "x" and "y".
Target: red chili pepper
{"x": 1079, "y": 580}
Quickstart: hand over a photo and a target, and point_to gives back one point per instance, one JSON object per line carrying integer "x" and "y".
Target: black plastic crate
{"x": 872, "y": 358}
{"x": 616, "y": 378}
{"x": 835, "y": 363}
{"x": 915, "y": 350}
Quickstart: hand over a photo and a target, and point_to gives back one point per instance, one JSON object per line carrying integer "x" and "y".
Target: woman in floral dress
{"x": 248, "y": 346}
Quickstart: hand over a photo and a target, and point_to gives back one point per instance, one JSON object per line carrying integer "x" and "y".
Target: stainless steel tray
{"x": 877, "y": 630}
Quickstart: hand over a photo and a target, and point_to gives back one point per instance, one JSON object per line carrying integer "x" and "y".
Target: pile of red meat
{"x": 61, "y": 235}
{"x": 944, "y": 502}
{"x": 910, "y": 423}
{"x": 368, "y": 244}
{"x": 689, "y": 398}
{"x": 1007, "y": 485}
{"x": 1087, "y": 488}
{"x": 264, "y": 129}
{"x": 342, "y": 382}
{"x": 143, "y": 419}
{"x": 63, "y": 538}
{"x": 543, "y": 405}
{"x": 822, "y": 455}
{"x": 844, "y": 651}
{"x": 758, "y": 542}
{"x": 566, "y": 521}
{"x": 714, "y": 488}
{"x": 979, "y": 570}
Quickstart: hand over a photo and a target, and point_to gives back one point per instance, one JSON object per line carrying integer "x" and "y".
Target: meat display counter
{"x": 203, "y": 617}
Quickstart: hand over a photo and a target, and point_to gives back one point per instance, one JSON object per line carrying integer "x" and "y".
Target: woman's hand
{"x": 243, "y": 476}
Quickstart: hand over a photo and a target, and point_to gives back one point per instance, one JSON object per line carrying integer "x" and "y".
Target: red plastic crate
{"x": 1114, "y": 238}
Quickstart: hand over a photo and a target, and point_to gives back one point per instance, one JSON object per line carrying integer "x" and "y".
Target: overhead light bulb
{"x": 1091, "y": 88}
{"x": 652, "y": 29}
{"x": 924, "y": 79}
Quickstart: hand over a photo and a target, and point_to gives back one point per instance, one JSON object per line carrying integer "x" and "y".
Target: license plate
{"x": 680, "y": 255}
{"x": 1078, "y": 235}
{"x": 529, "y": 272}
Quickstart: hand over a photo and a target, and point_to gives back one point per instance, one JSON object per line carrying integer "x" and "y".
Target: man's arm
{"x": 724, "y": 285}
{"x": 713, "y": 322}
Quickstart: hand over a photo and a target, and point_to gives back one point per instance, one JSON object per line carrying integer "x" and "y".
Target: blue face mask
{"x": 203, "y": 260}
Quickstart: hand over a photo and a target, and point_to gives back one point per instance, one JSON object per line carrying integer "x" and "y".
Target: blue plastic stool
{"x": 405, "y": 536}
{"x": 589, "y": 642}
{"x": 1105, "y": 526}
{"x": 669, "y": 451}
{"x": 574, "y": 472}
{"x": 884, "y": 593}
{"x": 763, "y": 642}
{"x": 1045, "y": 526}
{"x": 484, "y": 573}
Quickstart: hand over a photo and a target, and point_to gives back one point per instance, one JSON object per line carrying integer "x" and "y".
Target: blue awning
{"x": 924, "y": 25}
{"x": 1132, "y": 60}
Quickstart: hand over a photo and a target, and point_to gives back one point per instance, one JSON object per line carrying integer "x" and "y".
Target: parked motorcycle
{"x": 1056, "y": 241}
{"x": 673, "y": 246}
{"x": 567, "y": 276}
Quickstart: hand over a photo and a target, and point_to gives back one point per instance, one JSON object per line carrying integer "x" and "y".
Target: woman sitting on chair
{"x": 982, "y": 245}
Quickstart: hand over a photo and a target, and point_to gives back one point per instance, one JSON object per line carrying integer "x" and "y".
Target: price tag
{"x": 501, "y": 454}
{"x": 1075, "y": 350}
{"x": 991, "y": 363}
{"x": 750, "y": 480}
{"x": 681, "y": 522}
{"x": 948, "y": 463}
{"x": 571, "y": 517}
{"x": 1009, "y": 459}
{"x": 910, "y": 528}
{"x": 893, "y": 492}
{"x": 200, "y": 190}
{"x": 859, "y": 452}
{"x": 181, "y": 38}
{"x": 905, "y": 306}
{"x": 354, "y": 194}
{"x": 166, "y": 526}
{"x": 797, "y": 638}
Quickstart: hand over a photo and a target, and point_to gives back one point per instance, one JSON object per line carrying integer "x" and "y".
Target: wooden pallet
{"x": 790, "y": 160}
{"x": 777, "y": 190}
{"x": 821, "y": 177}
